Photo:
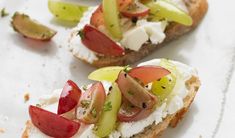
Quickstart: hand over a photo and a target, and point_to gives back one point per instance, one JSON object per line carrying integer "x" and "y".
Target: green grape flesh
{"x": 111, "y": 18}
{"x": 108, "y": 118}
{"x": 66, "y": 11}
{"x": 106, "y": 73}
{"x": 162, "y": 88}
{"x": 168, "y": 10}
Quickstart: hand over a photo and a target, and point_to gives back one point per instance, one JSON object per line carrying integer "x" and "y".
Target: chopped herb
{"x": 84, "y": 87}
{"x": 81, "y": 34}
{"x": 108, "y": 106}
{"x": 83, "y": 112}
{"x": 85, "y": 103}
{"x": 111, "y": 25}
{"x": 94, "y": 113}
{"x": 43, "y": 35}
{"x": 144, "y": 105}
{"x": 130, "y": 106}
{"x": 163, "y": 87}
{"x": 131, "y": 93}
{"x": 38, "y": 105}
{"x": 127, "y": 68}
{"x": 64, "y": 7}
{"x": 95, "y": 128}
{"x": 4, "y": 13}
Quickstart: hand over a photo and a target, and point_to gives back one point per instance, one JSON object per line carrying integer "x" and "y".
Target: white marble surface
{"x": 39, "y": 68}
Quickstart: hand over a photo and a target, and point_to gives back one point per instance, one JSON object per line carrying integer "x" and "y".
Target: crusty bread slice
{"x": 153, "y": 131}
{"x": 197, "y": 9}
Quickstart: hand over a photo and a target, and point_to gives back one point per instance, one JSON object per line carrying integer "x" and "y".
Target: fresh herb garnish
{"x": 84, "y": 87}
{"x": 93, "y": 113}
{"x": 108, "y": 106}
{"x": 81, "y": 34}
{"x": 85, "y": 103}
{"x": 111, "y": 25}
{"x": 131, "y": 93}
{"x": 4, "y": 13}
{"x": 127, "y": 68}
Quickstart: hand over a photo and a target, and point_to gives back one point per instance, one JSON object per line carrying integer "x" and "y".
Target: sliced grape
{"x": 106, "y": 73}
{"x": 91, "y": 104}
{"x": 30, "y": 28}
{"x": 169, "y": 11}
{"x": 163, "y": 87}
{"x": 111, "y": 18}
{"x": 134, "y": 92}
{"x": 66, "y": 11}
{"x": 107, "y": 120}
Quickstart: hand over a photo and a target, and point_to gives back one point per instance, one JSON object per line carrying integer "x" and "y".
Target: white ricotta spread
{"x": 129, "y": 129}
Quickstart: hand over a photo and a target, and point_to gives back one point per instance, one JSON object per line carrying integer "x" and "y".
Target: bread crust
{"x": 197, "y": 10}
{"x": 154, "y": 131}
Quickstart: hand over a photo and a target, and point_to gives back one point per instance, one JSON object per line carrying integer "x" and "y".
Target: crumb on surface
{"x": 4, "y": 13}
{"x": 2, "y": 130}
{"x": 26, "y": 97}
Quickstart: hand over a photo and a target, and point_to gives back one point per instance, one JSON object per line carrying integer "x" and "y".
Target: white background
{"x": 39, "y": 67}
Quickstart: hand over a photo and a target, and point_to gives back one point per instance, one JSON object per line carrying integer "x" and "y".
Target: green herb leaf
{"x": 108, "y": 106}
{"x": 81, "y": 34}
{"x": 4, "y": 13}
{"x": 94, "y": 113}
{"x": 131, "y": 93}
{"x": 84, "y": 87}
{"x": 85, "y": 103}
{"x": 127, "y": 68}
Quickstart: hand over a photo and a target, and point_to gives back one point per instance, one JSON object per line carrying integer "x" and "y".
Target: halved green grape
{"x": 107, "y": 120}
{"x": 169, "y": 11}
{"x": 106, "y": 73}
{"x": 111, "y": 18}
{"x": 162, "y": 88}
{"x": 66, "y": 11}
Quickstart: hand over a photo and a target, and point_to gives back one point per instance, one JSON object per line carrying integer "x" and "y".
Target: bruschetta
{"x": 132, "y": 29}
{"x": 122, "y": 102}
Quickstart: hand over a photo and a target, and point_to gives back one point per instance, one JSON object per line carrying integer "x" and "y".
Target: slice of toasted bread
{"x": 197, "y": 9}
{"x": 153, "y": 131}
